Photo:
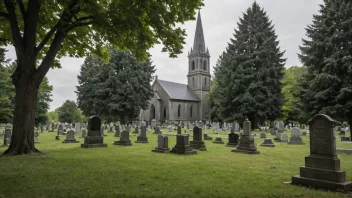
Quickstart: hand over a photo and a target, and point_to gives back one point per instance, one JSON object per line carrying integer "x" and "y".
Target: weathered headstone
{"x": 70, "y": 137}
{"x": 117, "y": 131}
{"x": 60, "y": 131}
{"x": 163, "y": 145}
{"x": 233, "y": 140}
{"x": 322, "y": 166}
{"x": 236, "y": 127}
{"x": 78, "y": 129}
{"x": 262, "y": 135}
{"x": 295, "y": 136}
{"x": 268, "y": 143}
{"x": 36, "y": 134}
{"x": 206, "y": 137}
{"x": 102, "y": 130}
{"x": 142, "y": 138}
{"x": 304, "y": 133}
{"x": 284, "y": 137}
{"x": 136, "y": 130}
{"x": 197, "y": 142}
{"x": 179, "y": 129}
{"x": 247, "y": 145}
{"x": 281, "y": 126}
{"x": 84, "y": 133}
{"x": 94, "y": 138}
{"x": 124, "y": 139}
{"x": 153, "y": 123}
{"x": 218, "y": 140}
{"x": 182, "y": 145}
{"x": 7, "y": 137}
{"x": 157, "y": 129}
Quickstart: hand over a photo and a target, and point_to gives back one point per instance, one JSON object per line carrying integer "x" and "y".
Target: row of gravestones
{"x": 8, "y": 134}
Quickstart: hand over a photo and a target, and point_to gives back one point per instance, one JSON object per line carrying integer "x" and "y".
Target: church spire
{"x": 199, "y": 43}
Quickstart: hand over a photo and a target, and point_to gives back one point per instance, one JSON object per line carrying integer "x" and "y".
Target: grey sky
{"x": 219, "y": 19}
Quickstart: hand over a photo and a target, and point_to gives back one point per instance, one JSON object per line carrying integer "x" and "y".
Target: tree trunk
{"x": 22, "y": 139}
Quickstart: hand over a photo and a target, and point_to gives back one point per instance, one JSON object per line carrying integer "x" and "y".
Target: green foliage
{"x": 6, "y": 90}
{"x": 119, "y": 88}
{"x": 248, "y": 74}
{"x": 291, "y": 90}
{"x": 69, "y": 112}
{"x": 43, "y": 101}
{"x": 53, "y": 115}
{"x": 327, "y": 54}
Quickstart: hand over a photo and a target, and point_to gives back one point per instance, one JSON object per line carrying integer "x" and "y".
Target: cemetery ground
{"x": 67, "y": 170}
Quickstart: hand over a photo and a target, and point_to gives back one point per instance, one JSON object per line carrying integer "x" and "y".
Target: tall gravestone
{"x": 94, "y": 137}
{"x": 247, "y": 145}
{"x": 7, "y": 137}
{"x": 136, "y": 130}
{"x": 78, "y": 129}
{"x": 179, "y": 129}
{"x": 153, "y": 123}
{"x": 281, "y": 126}
{"x": 35, "y": 137}
{"x": 60, "y": 131}
{"x": 233, "y": 140}
{"x": 197, "y": 142}
{"x": 272, "y": 128}
{"x": 142, "y": 138}
{"x": 163, "y": 145}
{"x": 84, "y": 133}
{"x": 295, "y": 136}
{"x": 322, "y": 166}
{"x": 157, "y": 129}
{"x": 124, "y": 139}
{"x": 102, "y": 130}
{"x": 70, "y": 137}
{"x": 117, "y": 131}
{"x": 53, "y": 127}
{"x": 182, "y": 145}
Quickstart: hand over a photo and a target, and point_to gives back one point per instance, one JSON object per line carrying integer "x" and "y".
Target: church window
{"x": 191, "y": 111}
{"x": 179, "y": 111}
{"x": 193, "y": 65}
{"x": 152, "y": 112}
{"x": 205, "y": 81}
{"x": 165, "y": 112}
{"x": 193, "y": 81}
{"x": 205, "y": 65}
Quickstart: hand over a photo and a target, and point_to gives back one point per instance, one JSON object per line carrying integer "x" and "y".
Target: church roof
{"x": 178, "y": 91}
{"x": 199, "y": 43}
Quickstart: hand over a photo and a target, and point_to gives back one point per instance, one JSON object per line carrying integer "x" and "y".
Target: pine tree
{"x": 250, "y": 73}
{"x": 327, "y": 54}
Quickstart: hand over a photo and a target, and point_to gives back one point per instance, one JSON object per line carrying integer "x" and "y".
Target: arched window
{"x": 205, "y": 65}
{"x": 193, "y": 81}
{"x": 191, "y": 111}
{"x": 179, "y": 111}
{"x": 165, "y": 112}
{"x": 205, "y": 81}
{"x": 193, "y": 65}
{"x": 152, "y": 111}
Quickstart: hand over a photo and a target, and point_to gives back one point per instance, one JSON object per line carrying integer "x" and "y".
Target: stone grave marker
{"x": 295, "y": 136}
{"x": 284, "y": 137}
{"x": 163, "y": 145}
{"x": 218, "y": 140}
{"x": 262, "y": 135}
{"x": 70, "y": 137}
{"x": 247, "y": 145}
{"x": 124, "y": 139}
{"x": 179, "y": 129}
{"x": 197, "y": 142}
{"x": 206, "y": 137}
{"x": 117, "y": 131}
{"x": 157, "y": 129}
{"x": 84, "y": 133}
{"x": 322, "y": 166}
{"x": 7, "y": 137}
{"x": 102, "y": 130}
{"x": 35, "y": 136}
{"x": 94, "y": 137}
{"x": 268, "y": 143}
{"x": 182, "y": 145}
{"x": 233, "y": 140}
{"x": 136, "y": 130}
{"x": 78, "y": 129}
{"x": 281, "y": 126}
{"x": 142, "y": 138}
{"x": 153, "y": 123}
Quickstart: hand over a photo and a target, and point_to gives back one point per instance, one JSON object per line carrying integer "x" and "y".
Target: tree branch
{"x": 46, "y": 38}
{"x": 5, "y": 15}
{"x": 23, "y": 10}
{"x": 15, "y": 30}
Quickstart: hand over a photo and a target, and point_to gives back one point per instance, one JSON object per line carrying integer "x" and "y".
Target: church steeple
{"x": 199, "y": 43}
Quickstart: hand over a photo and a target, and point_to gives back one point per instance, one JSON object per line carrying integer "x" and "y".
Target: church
{"x": 184, "y": 102}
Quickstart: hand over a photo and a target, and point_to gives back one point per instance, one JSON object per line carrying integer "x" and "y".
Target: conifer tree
{"x": 327, "y": 54}
{"x": 251, "y": 69}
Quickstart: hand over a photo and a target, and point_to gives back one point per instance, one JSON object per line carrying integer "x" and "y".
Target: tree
{"x": 53, "y": 115}
{"x": 291, "y": 90}
{"x": 250, "y": 71}
{"x": 76, "y": 28}
{"x": 43, "y": 101}
{"x": 69, "y": 112}
{"x": 117, "y": 89}
{"x": 6, "y": 90}
{"x": 327, "y": 54}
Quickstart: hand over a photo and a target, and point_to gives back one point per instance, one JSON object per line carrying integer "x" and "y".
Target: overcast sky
{"x": 219, "y": 18}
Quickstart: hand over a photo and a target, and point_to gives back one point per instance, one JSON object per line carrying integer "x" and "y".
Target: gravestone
{"x": 102, "y": 129}
{"x": 218, "y": 140}
{"x": 236, "y": 126}
{"x": 272, "y": 126}
{"x": 53, "y": 126}
{"x": 233, "y": 140}
{"x": 124, "y": 139}
{"x": 84, "y": 133}
{"x": 142, "y": 138}
{"x": 182, "y": 125}
{"x": 136, "y": 130}
{"x": 281, "y": 126}
{"x": 206, "y": 137}
{"x": 182, "y": 145}
{"x": 78, "y": 129}
{"x": 322, "y": 166}
{"x": 41, "y": 129}
{"x": 304, "y": 133}
{"x": 197, "y": 142}
{"x": 262, "y": 135}
{"x": 157, "y": 129}
{"x": 163, "y": 145}
{"x": 7, "y": 137}
{"x": 284, "y": 137}
{"x": 70, "y": 137}
{"x": 93, "y": 138}
{"x": 111, "y": 127}
{"x": 295, "y": 136}
{"x": 179, "y": 129}
{"x": 153, "y": 123}
{"x": 35, "y": 136}
{"x": 268, "y": 143}
{"x": 60, "y": 131}
{"x": 117, "y": 131}
{"x": 246, "y": 145}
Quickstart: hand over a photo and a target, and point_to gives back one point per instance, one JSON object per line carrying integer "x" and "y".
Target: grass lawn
{"x": 117, "y": 171}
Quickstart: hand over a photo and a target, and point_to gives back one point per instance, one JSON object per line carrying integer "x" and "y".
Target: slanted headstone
{"x": 124, "y": 139}
{"x": 182, "y": 145}
{"x": 7, "y": 137}
{"x": 322, "y": 166}
{"x": 94, "y": 137}
{"x": 117, "y": 131}
{"x": 70, "y": 137}
{"x": 262, "y": 135}
{"x": 268, "y": 143}
{"x": 295, "y": 136}
{"x": 142, "y": 138}
{"x": 197, "y": 142}
{"x": 163, "y": 145}
{"x": 284, "y": 137}
{"x": 247, "y": 145}
{"x": 233, "y": 140}
{"x": 78, "y": 129}
{"x": 207, "y": 137}
{"x": 218, "y": 140}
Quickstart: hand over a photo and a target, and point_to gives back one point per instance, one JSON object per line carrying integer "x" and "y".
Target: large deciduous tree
{"x": 69, "y": 112}
{"x": 117, "y": 89}
{"x": 327, "y": 54}
{"x": 43, "y": 31}
{"x": 6, "y": 90}
{"x": 250, "y": 71}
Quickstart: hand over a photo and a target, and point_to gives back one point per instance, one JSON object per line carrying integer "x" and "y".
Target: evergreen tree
{"x": 250, "y": 71}
{"x": 6, "y": 90}
{"x": 117, "y": 89}
{"x": 327, "y": 54}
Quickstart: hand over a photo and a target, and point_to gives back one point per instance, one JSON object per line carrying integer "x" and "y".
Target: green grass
{"x": 116, "y": 171}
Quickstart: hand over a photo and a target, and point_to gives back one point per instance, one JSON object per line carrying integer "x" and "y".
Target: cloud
{"x": 219, "y": 21}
